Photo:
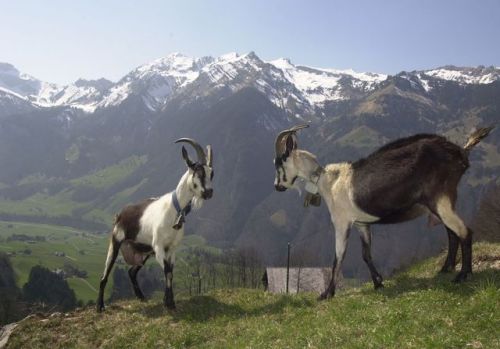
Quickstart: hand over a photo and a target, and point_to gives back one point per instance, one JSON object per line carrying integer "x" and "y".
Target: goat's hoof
{"x": 446, "y": 269}
{"x": 378, "y": 286}
{"x": 461, "y": 277}
{"x": 324, "y": 296}
{"x": 100, "y": 308}
{"x": 169, "y": 305}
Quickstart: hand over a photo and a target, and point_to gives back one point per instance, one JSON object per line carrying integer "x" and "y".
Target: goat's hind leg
{"x": 454, "y": 223}
{"x": 451, "y": 259}
{"x": 366, "y": 242}
{"x": 132, "y": 273}
{"x": 113, "y": 249}
{"x": 466, "y": 248}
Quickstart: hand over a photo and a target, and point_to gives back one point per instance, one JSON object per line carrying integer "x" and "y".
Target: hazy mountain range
{"x": 75, "y": 154}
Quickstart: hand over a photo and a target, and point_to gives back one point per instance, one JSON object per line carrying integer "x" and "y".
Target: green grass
{"x": 63, "y": 203}
{"x": 416, "y": 309}
{"x": 41, "y": 204}
{"x": 61, "y": 239}
{"x": 362, "y": 136}
{"x": 111, "y": 174}
{"x": 122, "y": 198}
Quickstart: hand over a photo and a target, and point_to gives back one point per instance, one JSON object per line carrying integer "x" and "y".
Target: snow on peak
{"x": 156, "y": 81}
{"x": 372, "y": 78}
{"x": 320, "y": 85}
{"x": 478, "y": 75}
{"x": 282, "y": 63}
{"x": 228, "y": 67}
{"x": 171, "y": 63}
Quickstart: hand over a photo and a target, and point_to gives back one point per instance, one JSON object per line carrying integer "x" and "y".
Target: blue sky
{"x": 61, "y": 40}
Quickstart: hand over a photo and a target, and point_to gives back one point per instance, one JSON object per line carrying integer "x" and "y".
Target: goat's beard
{"x": 196, "y": 202}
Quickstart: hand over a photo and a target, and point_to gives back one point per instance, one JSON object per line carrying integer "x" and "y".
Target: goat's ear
{"x": 186, "y": 158}
{"x": 290, "y": 144}
{"x": 210, "y": 157}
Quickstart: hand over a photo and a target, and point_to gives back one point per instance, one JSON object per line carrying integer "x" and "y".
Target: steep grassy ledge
{"x": 417, "y": 309}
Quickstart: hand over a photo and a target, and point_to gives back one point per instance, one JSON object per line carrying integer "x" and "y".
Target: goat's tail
{"x": 477, "y": 136}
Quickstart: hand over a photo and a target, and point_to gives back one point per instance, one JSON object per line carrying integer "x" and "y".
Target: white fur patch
{"x": 197, "y": 203}
{"x": 450, "y": 217}
{"x": 337, "y": 189}
{"x": 118, "y": 233}
{"x": 311, "y": 188}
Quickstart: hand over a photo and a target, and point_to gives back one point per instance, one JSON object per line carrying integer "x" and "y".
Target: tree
{"x": 11, "y": 308}
{"x": 48, "y": 289}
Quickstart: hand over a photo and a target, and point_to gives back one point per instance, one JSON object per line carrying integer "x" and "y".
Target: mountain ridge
{"x": 285, "y": 83}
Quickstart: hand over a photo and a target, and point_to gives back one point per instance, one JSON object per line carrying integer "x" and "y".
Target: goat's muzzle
{"x": 279, "y": 187}
{"x": 207, "y": 194}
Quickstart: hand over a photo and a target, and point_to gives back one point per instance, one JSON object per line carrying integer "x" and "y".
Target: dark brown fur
{"x": 129, "y": 218}
{"x": 410, "y": 171}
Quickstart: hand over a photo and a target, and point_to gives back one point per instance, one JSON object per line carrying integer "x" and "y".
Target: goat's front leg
{"x": 342, "y": 230}
{"x": 168, "y": 299}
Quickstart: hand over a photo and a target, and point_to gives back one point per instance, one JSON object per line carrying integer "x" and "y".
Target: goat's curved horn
{"x": 202, "y": 158}
{"x": 210, "y": 157}
{"x": 282, "y": 134}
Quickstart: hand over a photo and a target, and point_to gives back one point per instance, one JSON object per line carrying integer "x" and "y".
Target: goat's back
{"x": 406, "y": 172}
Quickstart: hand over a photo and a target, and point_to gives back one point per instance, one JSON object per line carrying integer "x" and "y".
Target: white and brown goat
{"x": 402, "y": 180}
{"x": 155, "y": 226}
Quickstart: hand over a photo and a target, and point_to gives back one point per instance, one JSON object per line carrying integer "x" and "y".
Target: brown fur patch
{"x": 129, "y": 218}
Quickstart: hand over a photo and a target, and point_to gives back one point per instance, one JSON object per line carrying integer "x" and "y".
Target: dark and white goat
{"x": 155, "y": 226}
{"x": 400, "y": 181}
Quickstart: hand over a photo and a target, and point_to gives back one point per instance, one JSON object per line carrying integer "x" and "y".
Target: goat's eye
{"x": 195, "y": 185}
{"x": 212, "y": 175}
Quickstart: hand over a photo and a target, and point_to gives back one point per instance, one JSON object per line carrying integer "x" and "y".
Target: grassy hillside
{"x": 417, "y": 309}
{"x": 83, "y": 250}
{"x": 37, "y": 197}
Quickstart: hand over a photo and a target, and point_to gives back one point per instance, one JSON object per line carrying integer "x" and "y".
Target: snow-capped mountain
{"x": 322, "y": 85}
{"x": 285, "y": 85}
{"x": 295, "y": 88}
{"x": 478, "y": 75}
{"x": 429, "y": 79}
{"x": 155, "y": 82}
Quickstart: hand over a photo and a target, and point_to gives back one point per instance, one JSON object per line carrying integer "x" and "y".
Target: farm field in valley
{"x": 53, "y": 246}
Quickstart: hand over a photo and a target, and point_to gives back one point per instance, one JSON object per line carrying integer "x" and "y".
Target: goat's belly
{"x": 403, "y": 215}
{"x": 134, "y": 253}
